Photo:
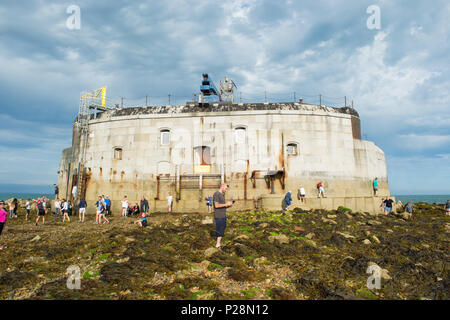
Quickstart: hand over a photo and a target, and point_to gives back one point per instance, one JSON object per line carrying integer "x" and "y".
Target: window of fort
{"x": 202, "y": 159}
{"x": 118, "y": 153}
{"x": 165, "y": 137}
{"x": 292, "y": 149}
{"x": 239, "y": 135}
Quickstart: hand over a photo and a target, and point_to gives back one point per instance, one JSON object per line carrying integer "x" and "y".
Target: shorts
{"x": 41, "y": 213}
{"x": 82, "y": 210}
{"x": 321, "y": 190}
{"x": 144, "y": 223}
{"x": 28, "y": 211}
{"x": 221, "y": 224}
{"x": 388, "y": 209}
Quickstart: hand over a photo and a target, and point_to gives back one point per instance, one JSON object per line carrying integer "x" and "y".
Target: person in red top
{"x": 3, "y": 215}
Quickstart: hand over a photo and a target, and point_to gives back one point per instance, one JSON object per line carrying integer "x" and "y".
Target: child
{"x": 3, "y": 215}
{"x": 142, "y": 222}
{"x": 124, "y": 206}
{"x": 169, "y": 202}
{"x": 57, "y": 207}
{"x": 209, "y": 203}
{"x": 65, "y": 210}
{"x": 102, "y": 213}
{"x": 28, "y": 209}
{"x": 82, "y": 210}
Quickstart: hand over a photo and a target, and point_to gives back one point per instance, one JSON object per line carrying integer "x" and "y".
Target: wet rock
{"x": 210, "y": 251}
{"x": 207, "y": 220}
{"x": 297, "y": 228}
{"x": 241, "y": 250}
{"x": 338, "y": 240}
{"x": 373, "y": 223}
{"x": 406, "y": 215}
{"x": 374, "y": 239}
{"x": 280, "y": 238}
{"x": 242, "y": 237}
{"x": 329, "y": 221}
{"x": 264, "y": 225}
{"x": 260, "y": 261}
{"x": 332, "y": 216}
{"x": 37, "y": 238}
{"x": 310, "y": 235}
{"x": 367, "y": 241}
{"x": 345, "y": 235}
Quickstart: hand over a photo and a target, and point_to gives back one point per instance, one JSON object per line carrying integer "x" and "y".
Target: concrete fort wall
{"x": 159, "y": 154}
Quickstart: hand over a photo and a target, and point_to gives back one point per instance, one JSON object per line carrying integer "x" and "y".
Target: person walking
{"x": 209, "y": 203}
{"x": 102, "y": 213}
{"x": 409, "y": 208}
{"x": 28, "y": 209}
{"x": 65, "y": 210}
{"x": 375, "y": 187}
{"x": 382, "y": 204}
{"x": 169, "y": 202}
{"x": 3, "y": 216}
{"x": 41, "y": 211}
{"x": 100, "y": 207}
{"x": 144, "y": 205}
{"x": 82, "y": 205}
{"x": 388, "y": 205}
{"x": 13, "y": 208}
{"x": 108, "y": 205}
{"x": 124, "y": 206}
{"x": 447, "y": 208}
{"x": 220, "y": 212}
{"x": 57, "y": 207}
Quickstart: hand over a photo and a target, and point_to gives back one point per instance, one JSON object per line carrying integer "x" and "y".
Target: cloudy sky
{"x": 397, "y": 72}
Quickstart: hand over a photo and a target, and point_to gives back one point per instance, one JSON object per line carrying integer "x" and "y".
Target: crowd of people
{"x": 216, "y": 203}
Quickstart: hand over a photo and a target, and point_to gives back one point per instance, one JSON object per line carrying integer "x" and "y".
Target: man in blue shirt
{"x": 108, "y": 205}
{"x": 286, "y": 201}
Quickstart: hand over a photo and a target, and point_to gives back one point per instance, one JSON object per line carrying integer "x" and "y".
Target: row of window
{"x": 202, "y": 153}
{"x": 239, "y": 136}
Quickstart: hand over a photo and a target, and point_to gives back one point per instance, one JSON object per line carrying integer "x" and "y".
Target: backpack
{"x": 40, "y": 206}
{"x": 319, "y": 185}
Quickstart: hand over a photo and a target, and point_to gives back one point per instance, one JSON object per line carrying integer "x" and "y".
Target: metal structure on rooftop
{"x": 227, "y": 89}
{"x": 208, "y": 90}
{"x": 91, "y": 102}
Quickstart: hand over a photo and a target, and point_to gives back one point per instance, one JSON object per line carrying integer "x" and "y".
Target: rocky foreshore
{"x": 300, "y": 254}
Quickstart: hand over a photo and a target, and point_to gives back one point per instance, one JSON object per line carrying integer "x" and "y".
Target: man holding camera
{"x": 220, "y": 210}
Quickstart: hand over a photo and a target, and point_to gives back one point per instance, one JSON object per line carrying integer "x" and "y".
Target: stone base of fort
{"x": 364, "y": 204}
{"x": 270, "y": 202}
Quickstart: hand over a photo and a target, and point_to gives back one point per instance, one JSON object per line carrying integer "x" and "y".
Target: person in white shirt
{"x": 124, "y": 206}
{"x": 74, "y": 192}
{"x": 169, "y": 202}
{"x": 57, "y": 207}
{"x": 65, "y": 210}
{"x": 28, "y": 209}
{"x": 302, "y": 194}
